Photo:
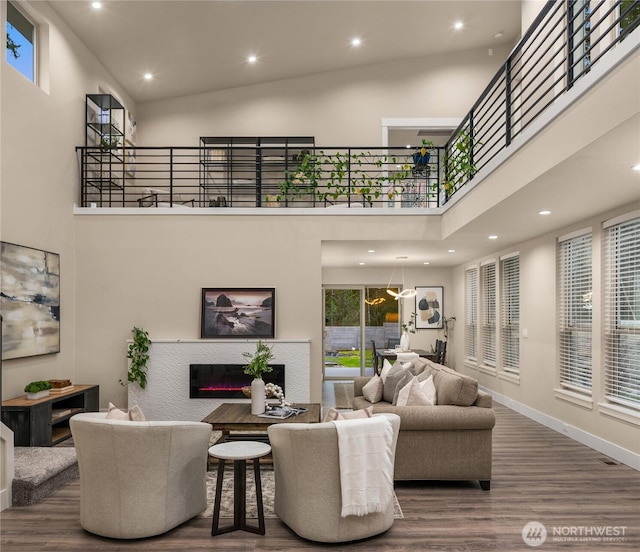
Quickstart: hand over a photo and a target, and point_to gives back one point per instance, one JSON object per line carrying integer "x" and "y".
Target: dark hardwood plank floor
{"x": 538, "y": 475}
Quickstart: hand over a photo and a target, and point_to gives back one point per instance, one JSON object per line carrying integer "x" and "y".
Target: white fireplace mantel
{"x": 166, "y": 396}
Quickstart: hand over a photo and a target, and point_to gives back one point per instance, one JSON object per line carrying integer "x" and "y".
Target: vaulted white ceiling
{"x": 199, "y": 46}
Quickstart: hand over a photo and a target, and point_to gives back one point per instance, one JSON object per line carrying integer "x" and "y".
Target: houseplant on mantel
{"x": 37, "y": 390}
{"x": 258, "y": 365}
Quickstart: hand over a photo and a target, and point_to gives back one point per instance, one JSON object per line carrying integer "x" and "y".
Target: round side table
{"x": 239, "y": 452}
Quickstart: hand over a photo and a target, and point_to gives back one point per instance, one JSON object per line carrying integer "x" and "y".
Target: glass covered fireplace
{"x": 225, "y": 381}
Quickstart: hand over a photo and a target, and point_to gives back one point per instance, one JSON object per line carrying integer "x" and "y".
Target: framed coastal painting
{"x": 238, "y": 312}
{"x": 429, "y": 307}
{"x": 30, "y": 301}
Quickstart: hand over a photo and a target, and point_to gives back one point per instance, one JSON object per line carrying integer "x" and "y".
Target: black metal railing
{"x": 259, "y": 176}
{"x": 562, "y": 45}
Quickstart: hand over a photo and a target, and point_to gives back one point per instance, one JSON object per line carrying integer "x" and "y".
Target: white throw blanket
{"x": 366, "y": 464}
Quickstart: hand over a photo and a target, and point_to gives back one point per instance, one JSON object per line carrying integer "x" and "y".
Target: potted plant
{"x": 138, "y": 353}
{"x": 258, "y": 365}
{"x": 37, "y": 389}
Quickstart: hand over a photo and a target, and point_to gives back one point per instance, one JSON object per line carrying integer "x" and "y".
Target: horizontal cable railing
{"x": 562, "y": 45}
{"x": 260, "y": 176}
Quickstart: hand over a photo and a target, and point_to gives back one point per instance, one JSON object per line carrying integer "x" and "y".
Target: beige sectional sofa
{"x": 448, "y": 441}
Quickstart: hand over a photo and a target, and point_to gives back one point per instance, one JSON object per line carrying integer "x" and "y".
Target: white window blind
{"x": 471, "y": 313}
{"x": 574, "y": 312}
{"x": 622, "y": 312}
{"x": 510, "y": 320}
{"x": 488, "y": 313}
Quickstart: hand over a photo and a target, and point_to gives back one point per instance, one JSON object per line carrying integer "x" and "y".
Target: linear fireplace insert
{"x": 225, "y": 381}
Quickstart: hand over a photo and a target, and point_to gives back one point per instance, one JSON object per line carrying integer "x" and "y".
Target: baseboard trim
{"x": 612, "y": 450}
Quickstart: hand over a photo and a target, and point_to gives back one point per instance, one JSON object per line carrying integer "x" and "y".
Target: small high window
{"x": 21, "y": 38}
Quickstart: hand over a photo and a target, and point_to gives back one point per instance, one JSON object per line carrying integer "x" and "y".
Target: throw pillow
{"x": 333, "y": 414}
{"x": 411, "y": 395}
{"x": 394, "y": 376}
{"x": 455, "y": 388}
{"x": 386, "y": 366}
{"x": 403, "y": 382}
{"x": 429, "y": 389}
{"x": 134, "y": 415}
{"x": 372, "y": 390}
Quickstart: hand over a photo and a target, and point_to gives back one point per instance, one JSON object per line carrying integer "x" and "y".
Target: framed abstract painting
{"x": 429, "y": 307}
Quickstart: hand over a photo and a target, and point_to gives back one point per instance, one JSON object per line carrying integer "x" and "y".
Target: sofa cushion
{"x": 386, "y": 367}
{"x": 372, "y": 391}
{"x": 333, "y": 414}
{"x": 412, "y": 395}
{"x": 455, "y": 388}
{"x": 397, "y": 372}
{"x": 429, "y": 389}
{"x": 133, "y": 415}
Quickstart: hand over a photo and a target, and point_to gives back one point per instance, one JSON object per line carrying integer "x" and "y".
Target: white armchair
{"x": 139, "y": 479}
{"x": 307, "y": 478}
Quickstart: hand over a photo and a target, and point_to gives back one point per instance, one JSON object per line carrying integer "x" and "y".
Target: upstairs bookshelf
{"x": 105, "y": 163}
{"x": 245, "y": 171}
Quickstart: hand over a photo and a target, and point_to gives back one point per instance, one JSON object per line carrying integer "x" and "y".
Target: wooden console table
{"x": 45, "y": 422}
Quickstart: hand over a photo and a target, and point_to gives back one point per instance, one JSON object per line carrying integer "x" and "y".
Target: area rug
{"x": 268, "y": 494}
{"x": 343, "y": 394}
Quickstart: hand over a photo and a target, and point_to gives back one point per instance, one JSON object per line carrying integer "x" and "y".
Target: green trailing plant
{"x": 304, "y": 180}
{"x": 258, "y": 361}
{"x": 138, "y": 353}
{"x": 37, "y": 386}
{"x": 459, "y": 167}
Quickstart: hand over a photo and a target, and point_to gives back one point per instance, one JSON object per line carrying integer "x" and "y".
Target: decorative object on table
{"x": 258, "y": 365}
{"x": 407, "y": 328}
{"x": 60, "y": 385}
{"x": 37, "y": 390}
{"x": 238, "y": 313}
{"x": 275, "y": 391}
{"x": 139, "y": 354}
{"x": 429, "y": 304}
{"x": 30, "y": 301}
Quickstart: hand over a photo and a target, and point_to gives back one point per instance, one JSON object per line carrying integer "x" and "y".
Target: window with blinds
{"x": 622, "y": 310}
{"x": 488, "y": 313}
{"x": 510, "y": 313}
{"x": 471, "y": 314}
{"x": 574, "y": 311}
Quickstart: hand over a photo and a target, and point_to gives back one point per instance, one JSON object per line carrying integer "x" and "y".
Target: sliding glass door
{"x": 354, "y": 319}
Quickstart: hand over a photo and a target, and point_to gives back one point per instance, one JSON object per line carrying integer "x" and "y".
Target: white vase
{"x": 257, "y": 396}
{"x": 404, "y": 341}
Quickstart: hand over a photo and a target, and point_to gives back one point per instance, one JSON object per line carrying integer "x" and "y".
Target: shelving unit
{"x": 104, "y": 167}
{"x": 45, "y": 422}
{"x": 244, "y": 171}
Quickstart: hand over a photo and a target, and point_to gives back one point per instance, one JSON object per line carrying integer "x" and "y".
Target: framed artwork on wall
{"x": 429, "y": 307}
{"x": 131, "y": 161}
{"x": 238, "y": 312}
{"x": 131, "y": 128}
{"x": 30, "y": 301}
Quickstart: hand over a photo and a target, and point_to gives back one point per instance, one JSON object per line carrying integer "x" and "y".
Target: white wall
{"x": 39, "y": 176}
{"x": 538, "y": 352}
{"x": 339, "y": 108}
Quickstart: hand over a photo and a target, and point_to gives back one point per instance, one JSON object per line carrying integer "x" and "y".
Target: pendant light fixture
{"x": 405, "y": 293}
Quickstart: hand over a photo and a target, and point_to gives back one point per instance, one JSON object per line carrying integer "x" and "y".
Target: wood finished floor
{"x": 538, "y": 475}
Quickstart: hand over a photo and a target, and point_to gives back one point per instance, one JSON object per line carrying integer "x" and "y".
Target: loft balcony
{"x": 561, "y": 52}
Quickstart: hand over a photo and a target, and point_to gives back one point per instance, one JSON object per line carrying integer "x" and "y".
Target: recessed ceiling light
{"x": 371, "y": 251}
{"x": 544, "y": 212}
{"x": 96, "y": 5}
{"x": 636, "y": 167}
{"x": 499, "y": 34}
{"x": 451, "y": 250}
{"x": 361, "y": 263}
{"x": 252, "y": 59}
{"x": 356, "y": 42}
{"x": 493, "y": 237}
{"x": 458, "y": 25}
{"x": 426, "y": 262}
{"x": 148, "y": 76}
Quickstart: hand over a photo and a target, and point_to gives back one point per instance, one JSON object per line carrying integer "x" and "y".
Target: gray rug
{"x": 41, "y": 470}
{"x": 268, "y": 494}
{"x": 343, "y": 393}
